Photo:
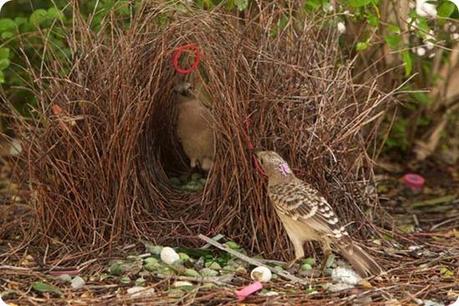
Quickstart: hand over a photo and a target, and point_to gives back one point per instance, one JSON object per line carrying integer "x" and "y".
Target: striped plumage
{"x": 307, "y": 216}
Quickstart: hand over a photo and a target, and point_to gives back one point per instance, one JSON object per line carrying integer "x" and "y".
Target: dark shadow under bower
{"x": 99, "y": 148}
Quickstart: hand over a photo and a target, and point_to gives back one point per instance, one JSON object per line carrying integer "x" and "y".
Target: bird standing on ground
{"x": 306, "y": 216}
{"x": 194, "y": 128}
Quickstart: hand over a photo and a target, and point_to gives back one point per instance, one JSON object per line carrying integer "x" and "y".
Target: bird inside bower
{"x": 307, "y": 216}
{"x": 194, "y": 126}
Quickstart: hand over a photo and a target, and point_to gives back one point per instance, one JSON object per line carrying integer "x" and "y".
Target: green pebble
{"x": 175, "y": 181}
{"x": 196, "y": 176}
{"x": 155, "y": 250}
{"x": 213, "y": 265}
{"x": 207, "y": 272}
{"x": 175, "y": 293}
{"x": 232, "y": 245}
{"x": 140, "y": 281}
{"x": 116, "y": 268}
{"x": 306, "y": 267}
{"x": 310, "y": 261}
{"x": 191, "y": 272}
{"x": 184, "y": 257}
{"x": 125, "y": 280}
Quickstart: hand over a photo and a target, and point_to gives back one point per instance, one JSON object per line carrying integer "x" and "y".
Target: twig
{"x": 221, "y": 280}
{"x": 252, "y": 261}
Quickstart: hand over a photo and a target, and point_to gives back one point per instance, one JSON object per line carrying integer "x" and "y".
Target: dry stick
{"x": 252, "y": 261}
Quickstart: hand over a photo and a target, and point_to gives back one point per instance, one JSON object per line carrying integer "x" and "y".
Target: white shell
{"x": 261, "y": 274}
{"x": 169, "y": 256}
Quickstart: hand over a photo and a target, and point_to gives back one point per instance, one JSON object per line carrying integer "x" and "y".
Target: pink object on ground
{"x": 414, "y": 181}
{"x": 248, "y": 290}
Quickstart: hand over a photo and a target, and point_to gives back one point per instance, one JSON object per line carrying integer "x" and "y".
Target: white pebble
{"x": 455, "y": 36}
{"x": 341, "y": 27}
{"x": 420, "y": 51}
{"x": 77, "y": 282}
{"x": 169, "y": 255}
{"x": 345, "y": 276}
{"x": 141, "y": 292}
{"x": 261, "y": 274}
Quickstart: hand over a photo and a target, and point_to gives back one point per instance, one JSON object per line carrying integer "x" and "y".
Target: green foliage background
{"x": 29, "y": 29}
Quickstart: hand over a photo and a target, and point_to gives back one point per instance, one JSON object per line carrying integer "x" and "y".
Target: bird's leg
{"x": 292, "y": 262}
{"x": 299, "y": 253}
{"x": 327, "y": 252}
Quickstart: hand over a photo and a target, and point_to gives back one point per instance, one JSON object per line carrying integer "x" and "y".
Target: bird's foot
{"x": 288, "y": 265}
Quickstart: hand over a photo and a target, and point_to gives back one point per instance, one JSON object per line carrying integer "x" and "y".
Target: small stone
{"x": 77, "y": 283}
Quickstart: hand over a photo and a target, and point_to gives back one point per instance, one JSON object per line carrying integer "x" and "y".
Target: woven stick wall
{"x": 101, "y": 146}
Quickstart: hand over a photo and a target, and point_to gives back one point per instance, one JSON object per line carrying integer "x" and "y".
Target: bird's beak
{"x": 258, "y": 152}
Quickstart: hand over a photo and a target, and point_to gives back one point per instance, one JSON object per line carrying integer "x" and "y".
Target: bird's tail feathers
{"x": 360, "y": 260}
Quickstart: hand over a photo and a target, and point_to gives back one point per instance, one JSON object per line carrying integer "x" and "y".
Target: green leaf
{"x": 360, "y": 3}
{"x": 407, "y": 62}
{"x": 393, "y": 41}
{"x": 362, "y": 46}
{"x": 446, "y": 9}
{"x": 54, "y": 13}
{"x": 45, "y": 288}
{"x": 2, "y": 77}
{"x": 421, "y": 97}
{"x": 7, "y": 35}
{"x": 38, "y": 17}
{"x": 4, "y": 53}
{"x": 423, "y": 26}
{"x": 4, "y": 63}
{"x": 241, "y": 4}
{"x": 7, "y": 24}
{"x": 313, "y": 5}
{"x": 230, "y": 4}
{"x": 373, "y": 20}
{"x": 20, "y": 21}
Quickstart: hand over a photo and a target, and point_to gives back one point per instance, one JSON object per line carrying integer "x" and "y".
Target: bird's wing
{"x": 303, "y": 203}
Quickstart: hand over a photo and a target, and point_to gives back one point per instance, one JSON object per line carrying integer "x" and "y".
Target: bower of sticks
{"x": 101, "y": 146}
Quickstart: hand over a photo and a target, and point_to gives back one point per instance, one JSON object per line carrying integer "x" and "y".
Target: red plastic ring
{"x": 193, "y": 48}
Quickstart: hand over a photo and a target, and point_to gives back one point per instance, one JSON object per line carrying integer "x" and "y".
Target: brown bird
{"x": 307, "y": 216}
{"x": 194, "y": 128}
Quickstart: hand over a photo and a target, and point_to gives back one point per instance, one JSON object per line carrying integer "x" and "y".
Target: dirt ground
{"x": 418, "y": 246}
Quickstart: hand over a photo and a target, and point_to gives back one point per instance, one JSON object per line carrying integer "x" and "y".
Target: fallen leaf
{"x": 45, "y": 288}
